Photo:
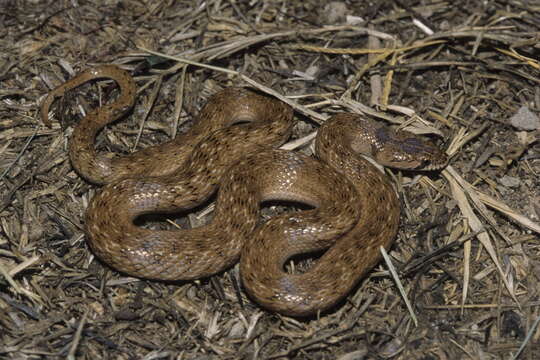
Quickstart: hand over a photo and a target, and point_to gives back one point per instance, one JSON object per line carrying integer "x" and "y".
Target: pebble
{"x": 525, "y": 119}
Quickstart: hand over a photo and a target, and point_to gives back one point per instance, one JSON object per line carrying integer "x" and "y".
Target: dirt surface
{"x": 467, "y": 255}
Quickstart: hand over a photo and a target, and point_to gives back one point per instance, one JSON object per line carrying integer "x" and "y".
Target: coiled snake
{"x": 232, "y": 146}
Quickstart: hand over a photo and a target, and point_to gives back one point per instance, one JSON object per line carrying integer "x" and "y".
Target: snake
{"x": 232, "y": 150}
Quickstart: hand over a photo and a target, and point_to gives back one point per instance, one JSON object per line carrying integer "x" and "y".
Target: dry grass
{"x": 467, "y": 256}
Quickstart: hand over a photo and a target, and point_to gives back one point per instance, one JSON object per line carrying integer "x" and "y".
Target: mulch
{"x": 462, "y": 280}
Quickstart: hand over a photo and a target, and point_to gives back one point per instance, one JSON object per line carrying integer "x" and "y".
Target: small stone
{"x": 237, "y": 330}
{"x": 354, "y": 20}
{"x": 355, "y": 355}
{"x": 444, "y": 25}
{"x": 313, "y": 70}
{"x": 525, "y": 119}
{"x": 510, "y": 181}
{"x": 334, "y": 12}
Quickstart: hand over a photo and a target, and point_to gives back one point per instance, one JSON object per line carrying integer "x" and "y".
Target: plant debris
{"x": 467, "y": 257}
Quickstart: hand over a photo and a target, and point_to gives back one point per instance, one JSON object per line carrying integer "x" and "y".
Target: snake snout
{"x": 424, "y": 154}
{"x": 412, "y": 154}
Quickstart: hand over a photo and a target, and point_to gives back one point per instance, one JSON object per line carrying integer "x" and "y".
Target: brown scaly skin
{"x": 356, "y": 209}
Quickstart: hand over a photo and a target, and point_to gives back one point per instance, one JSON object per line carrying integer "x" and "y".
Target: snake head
{"x": 404, "y": 150}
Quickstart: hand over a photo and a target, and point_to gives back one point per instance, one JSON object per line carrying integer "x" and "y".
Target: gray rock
{"x": 525, "y": 119}
{"x": 510, "y": 181}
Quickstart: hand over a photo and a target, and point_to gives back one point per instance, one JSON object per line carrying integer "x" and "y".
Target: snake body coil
{"x": 232, "y": 147}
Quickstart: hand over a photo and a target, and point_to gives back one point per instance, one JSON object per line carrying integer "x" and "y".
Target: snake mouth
{"x": 431, "y": 165}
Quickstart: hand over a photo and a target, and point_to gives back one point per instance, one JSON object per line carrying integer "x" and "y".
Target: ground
{"x": 465, "y": 73}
